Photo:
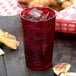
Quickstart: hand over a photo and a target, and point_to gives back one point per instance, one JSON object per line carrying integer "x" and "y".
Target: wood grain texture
{"x": 47, "y": 72}
{"x": 13, "y": 62}
{"x": 65, "y": 50}
{"x": 2, "y": 68}
{"x": 14, "y": 59}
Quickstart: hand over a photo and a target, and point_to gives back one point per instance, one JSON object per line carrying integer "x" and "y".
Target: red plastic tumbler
{"x": 38, "y": 32}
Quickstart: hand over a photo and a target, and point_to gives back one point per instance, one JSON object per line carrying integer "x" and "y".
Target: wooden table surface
{"x": 13, "y": 62}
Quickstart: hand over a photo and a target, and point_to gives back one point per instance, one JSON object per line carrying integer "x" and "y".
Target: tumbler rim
{"x": 38, "y": 20}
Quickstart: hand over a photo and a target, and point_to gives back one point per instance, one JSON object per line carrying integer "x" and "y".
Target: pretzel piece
{"x": 8, "y": 40}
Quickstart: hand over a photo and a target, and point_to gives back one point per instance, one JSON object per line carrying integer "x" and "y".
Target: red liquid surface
{"x": 38, "y": 42}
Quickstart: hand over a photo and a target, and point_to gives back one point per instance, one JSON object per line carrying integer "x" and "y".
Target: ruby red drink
{"x": 38, "y": 34}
